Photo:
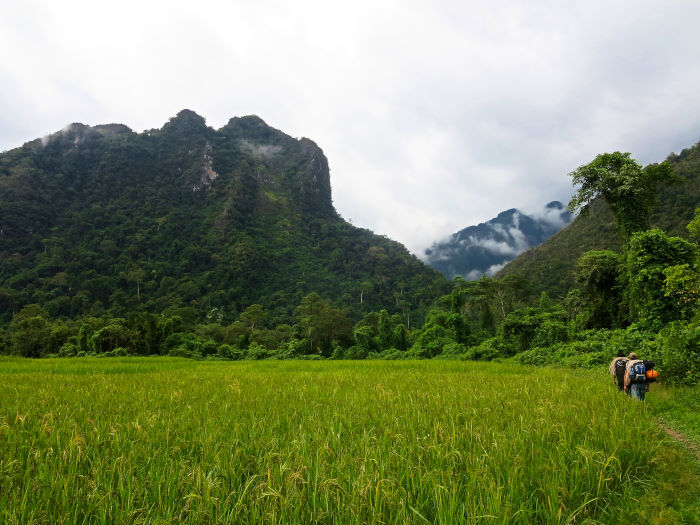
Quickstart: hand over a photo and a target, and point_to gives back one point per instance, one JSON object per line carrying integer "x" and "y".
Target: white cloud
{"x": 493, "y": 269}
{"x": 554, "y": 217}
{"x": 493, "y": 246}
{"x": 519, "y": 241}
{"x": 433, "y": 115}
{"x": 473, "y": 275}
{"x": 477, "y": 274}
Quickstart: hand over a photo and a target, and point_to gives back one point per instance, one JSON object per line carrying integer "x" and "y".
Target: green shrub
{"x": 588, "y": 360}
{"x": 257, "y": 352}
{"x": 231, "y": 352}
{"x": 391, "y": 354}
{"x": 356, "y": 352}
{"x": 677, "y": 353}
{"x": 180, "y": 351}
{"x": 112, "y": 336}
{"x": 338, "y": 353}
{"x": 68, "y": 350}
{"x": 487, "y": 350}
{"x": 292, "y": 349}
{"x": 117, "y": 352}
{"x": 453, "y": 349}
{"x": 572, "y": 355}
{"x": 551, "y": 332}
{"x": 197, "y": 345}
{"x": 536, "y": 356}
{"x": 610, "y": 342}
{"x": 430, "y": 343}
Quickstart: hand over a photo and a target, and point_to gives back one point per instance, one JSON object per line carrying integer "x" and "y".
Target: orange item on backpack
{"x": 652, "y": 374}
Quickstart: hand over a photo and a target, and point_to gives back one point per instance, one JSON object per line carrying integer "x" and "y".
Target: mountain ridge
{"x": 103, "y": 219}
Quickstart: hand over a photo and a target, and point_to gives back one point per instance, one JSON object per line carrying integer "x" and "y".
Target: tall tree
{"x": 597, "y": 273}
{"x": 385, "y": 335}
{"x": 29, "y": 331}
{"x": 629, "y": 189}
{"x": 321, "y": 324}
{"x": 254, "y": 316}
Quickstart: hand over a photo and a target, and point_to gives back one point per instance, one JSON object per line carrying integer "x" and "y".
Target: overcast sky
{"x": 434, "y": 115}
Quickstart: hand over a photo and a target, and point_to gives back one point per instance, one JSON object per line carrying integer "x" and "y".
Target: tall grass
{"x": 167, "y": 440}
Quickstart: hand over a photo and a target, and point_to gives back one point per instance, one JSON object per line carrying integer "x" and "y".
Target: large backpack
{"x": 651, "y": 374}
{"x": 638, "y": 372}
{"x": 620, "y": 367}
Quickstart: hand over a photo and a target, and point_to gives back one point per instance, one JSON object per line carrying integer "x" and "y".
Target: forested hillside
{"x": 192, "y": 222}
{"x": 550, "y": 266}
{"x": 225, "y": 245}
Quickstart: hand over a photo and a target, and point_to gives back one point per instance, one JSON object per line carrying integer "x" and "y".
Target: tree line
{"x": 644, "y": 299}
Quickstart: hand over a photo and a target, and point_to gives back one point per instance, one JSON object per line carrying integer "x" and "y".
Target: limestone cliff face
{"x": 210, "y": 218}
{"x": 315, "y": 183}
{"x": 297, "y": 166}
{"x": 187, "y": 155}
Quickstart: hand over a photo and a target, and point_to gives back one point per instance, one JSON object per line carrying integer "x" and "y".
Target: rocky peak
{"x": 186, "y": 124}
{"x": 485, "y": 248}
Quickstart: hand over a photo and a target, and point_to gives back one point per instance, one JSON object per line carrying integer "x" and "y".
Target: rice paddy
{"x": 155, "y": 440}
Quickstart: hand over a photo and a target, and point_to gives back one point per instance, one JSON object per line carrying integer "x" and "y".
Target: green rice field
{"x": 164, "y": 440}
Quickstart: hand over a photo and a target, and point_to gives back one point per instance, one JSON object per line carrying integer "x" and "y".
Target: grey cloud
{"x": 433, "y": 115}
{"x": 500, "y": 248}
{"x": 477, "y": 274}
{"x": 552, "y": 216}
{"x": 261, "y": 150}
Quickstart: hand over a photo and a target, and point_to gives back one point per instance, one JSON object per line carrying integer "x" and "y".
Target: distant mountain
{"x": 189, "y": 221}
{"x": 486, "y": 248}
{"x": 550, "y": 266}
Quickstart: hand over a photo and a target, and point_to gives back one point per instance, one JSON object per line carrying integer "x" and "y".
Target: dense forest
{"x": 192, "y": 242}
{"x": 192, "y": 225}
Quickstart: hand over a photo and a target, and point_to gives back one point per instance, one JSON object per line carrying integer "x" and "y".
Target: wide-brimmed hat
{"x": 633, "y": 355}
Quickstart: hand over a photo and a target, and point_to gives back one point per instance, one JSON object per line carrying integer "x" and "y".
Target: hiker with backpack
{"x": 636, "y": 384}
{"x": 617, "y": 369}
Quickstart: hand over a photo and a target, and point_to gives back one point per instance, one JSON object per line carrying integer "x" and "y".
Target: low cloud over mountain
{"x": 486, "y": 248}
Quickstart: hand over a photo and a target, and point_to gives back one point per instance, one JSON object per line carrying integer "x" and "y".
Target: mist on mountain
{"x": 485, "y": 248}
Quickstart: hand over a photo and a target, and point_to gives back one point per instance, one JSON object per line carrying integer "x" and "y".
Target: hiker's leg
{"x": 642, "y": 392}
{"x": 637, "y": 391}
{"x": 632, "y": 390}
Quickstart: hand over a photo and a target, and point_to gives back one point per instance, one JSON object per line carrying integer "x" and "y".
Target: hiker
{"x": 635, "y": 377}
{"x": 617, "y": 369}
